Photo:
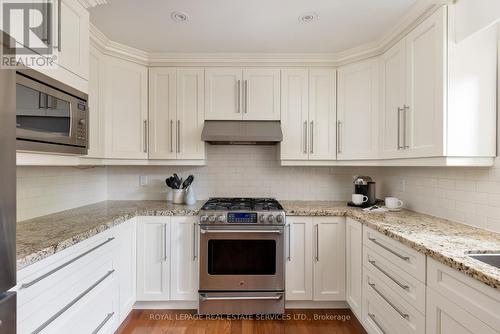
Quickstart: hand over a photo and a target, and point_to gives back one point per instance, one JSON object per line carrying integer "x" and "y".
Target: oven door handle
{"x": 202, "y": 230}
{"x": 204, "y": 298}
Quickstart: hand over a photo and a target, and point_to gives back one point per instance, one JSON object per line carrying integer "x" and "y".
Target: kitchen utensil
{"x": 190, "y": 196}
{"x": 188, "y": 182}
{"x": 393, "y": 203}
{"x": 359, "y": 199}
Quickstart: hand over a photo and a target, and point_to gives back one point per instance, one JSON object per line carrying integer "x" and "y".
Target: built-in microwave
{"x": 50, "y": 116}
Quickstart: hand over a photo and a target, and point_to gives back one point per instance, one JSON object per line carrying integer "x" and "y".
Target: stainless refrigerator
{"x": 7, "y": 196}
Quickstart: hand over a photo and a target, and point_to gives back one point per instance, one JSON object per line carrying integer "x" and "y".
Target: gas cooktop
{"x": 242, "y": 211}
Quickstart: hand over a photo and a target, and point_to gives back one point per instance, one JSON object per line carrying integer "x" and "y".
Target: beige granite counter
{"x": 444, "y": 240}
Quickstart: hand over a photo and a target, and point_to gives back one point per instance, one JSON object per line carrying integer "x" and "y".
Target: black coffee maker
{"x": 364, "y": 185}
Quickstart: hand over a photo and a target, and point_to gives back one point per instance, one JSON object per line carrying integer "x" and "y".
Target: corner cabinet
{"x": 176, "y": 113}
{"x": 315, "y": 259}
{"x": 167, "y": 259}
{"x": 308, "y": 116}
{"x": 242, "y": 94}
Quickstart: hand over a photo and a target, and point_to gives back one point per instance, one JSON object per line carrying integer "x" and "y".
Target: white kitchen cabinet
{"x": 295, "y": 114}
{"x": 96, "y": 112}
{"x": 354, "y": 265}
{"x": 223, "y": 93}
{"x": 308, "y": 115}
{"x": 299, "y": 264}
{"x": 358, "y": 110}
{"x": 261, "y": 94}
{"x": 153, "y": 258}
{"x": 329, "y": 265}
{"x": 125, "y": 103}
{"x": 125, "y": 264}
{"x": 184, "y": 258}
{"x": 176, "y": 113}
{"x": 242, "y": 94}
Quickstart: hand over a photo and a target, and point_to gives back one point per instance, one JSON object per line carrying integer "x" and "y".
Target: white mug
{"x": 393, "y": 203}
{"x": 359, "y": 199}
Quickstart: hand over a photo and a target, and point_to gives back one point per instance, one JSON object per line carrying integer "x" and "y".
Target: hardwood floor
{"x": 293, "y": 322}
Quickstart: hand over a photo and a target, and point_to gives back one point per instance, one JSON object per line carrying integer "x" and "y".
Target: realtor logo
{"x": 29, "y": 25}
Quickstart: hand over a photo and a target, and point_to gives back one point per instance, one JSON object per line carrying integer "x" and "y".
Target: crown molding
{"x": 419, "y": 12}
{"x": 92, "y": 3}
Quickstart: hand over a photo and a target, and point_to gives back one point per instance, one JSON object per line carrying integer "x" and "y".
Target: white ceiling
{"x": 247, "y": 26}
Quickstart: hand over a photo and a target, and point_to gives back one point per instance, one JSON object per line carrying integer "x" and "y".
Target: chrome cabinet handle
{"x": 36, "y": 280}
{"x": 312, "y": 137}
{"x": 403, "y": 315}
{"x": 171, "y": 136}
{"x": 238, "y": 98}
{"x": 405, "y": 138}
{"x": 240, "y": 231}
{"x": 178, "y": 136}
{"x": 401, "y": 285}
{"x": 246, "y": 96}
{"x": 289, "y": 255}
{"x": 305, "y": 137}
{"x": 372, "y": 316}
{"x": 195, "y": 249}
{"x": 70, "y": 304}
{"x": 59, "y": 26}
{"x": 339, "y": 137}
{"x": 376, "y": 242}
{"x": 165, "y": 242}
{"x": 317, "y": 242}
{"x": 145, "y": 148}
{"x": 101, "y": 325}
{"x": 399, "y": 128}
{"x": 205, "y": 298}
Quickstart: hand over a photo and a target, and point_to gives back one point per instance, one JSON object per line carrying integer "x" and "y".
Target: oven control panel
{"x": 242, "y": 217}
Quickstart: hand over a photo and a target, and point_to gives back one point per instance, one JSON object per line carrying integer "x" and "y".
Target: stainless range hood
{"x": 242, "y": 132}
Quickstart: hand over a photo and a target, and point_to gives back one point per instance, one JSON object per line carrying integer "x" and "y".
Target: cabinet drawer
{"x": 51, "y": 303}
{"x": 477, "y": 298}
{"x": 406, "y": 286}
{"x": 403, "y": 257}
{"x": 385, "y": 312}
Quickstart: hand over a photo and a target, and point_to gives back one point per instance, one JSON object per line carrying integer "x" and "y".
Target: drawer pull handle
{"x": 375, "y": 241}
{"x": 103, "y": 323}
{"x": 73, "y": 302}
{"x": 401, "y": 285}
{"x": 372, "y": 316}
{"x": 205, "y": 298}
{"x": 403, "y": 315}
{"x": 36, "y": 280}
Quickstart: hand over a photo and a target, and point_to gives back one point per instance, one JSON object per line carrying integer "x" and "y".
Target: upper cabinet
{"x": 176, "y": 113}
{"x": 358, "y": 110}
{"x": 308, "y": 117}
{"x": 242, "y": 94}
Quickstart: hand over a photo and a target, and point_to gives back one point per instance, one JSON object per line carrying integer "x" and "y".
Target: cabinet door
{"x": 393, "y": 78}
{"x": 445, "y": 317}
{"x": 125, "y": 96}
{"x": 322, "y": 114}
{"x": 357, "y": 114}
{"x": 354, "y": 265}
{"x": 261, "y": 94}
{"x": 329, "y": 258}
{"x": 162, "y": 113}
{"x": 295, "y": 114}
{"x": 223, "y": 87}
{"x": 184, "y": 263}
{"x": 96, "y": 112}
{"x": 153, "y": 258}
{"x": 190, "y": 113}
{"x": 299, "y": 265}
{"x": 74, "y": 43}
{"x": 426, "y": 82}
{"x": 125, "y": 265}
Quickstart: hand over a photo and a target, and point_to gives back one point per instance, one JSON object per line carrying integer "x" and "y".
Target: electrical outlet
{"x": 143, "y": 180}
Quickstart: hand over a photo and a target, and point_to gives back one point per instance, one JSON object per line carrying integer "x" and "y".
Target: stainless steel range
{"x": 242, "y": 246}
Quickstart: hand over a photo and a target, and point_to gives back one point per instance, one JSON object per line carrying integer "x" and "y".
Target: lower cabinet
{"x": 167, "y": 258}
{"x": 315, "y": 263}
{"x": 354, "y": 265}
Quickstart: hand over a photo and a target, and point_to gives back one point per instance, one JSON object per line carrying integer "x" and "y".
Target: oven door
{"x": 47, "y": 115}
{"x": 238, "y": 258}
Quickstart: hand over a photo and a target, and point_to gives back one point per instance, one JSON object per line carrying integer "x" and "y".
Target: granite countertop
{"x": 443, "y": 240}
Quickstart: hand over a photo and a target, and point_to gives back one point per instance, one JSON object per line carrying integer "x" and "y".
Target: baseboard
{"x": 306, "y": 304}
{"x": 166, "y": 305}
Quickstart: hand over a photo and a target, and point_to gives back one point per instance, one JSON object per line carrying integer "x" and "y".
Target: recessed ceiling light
{"x": 179, "y": 17}
{"x": 308, "y": 17}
